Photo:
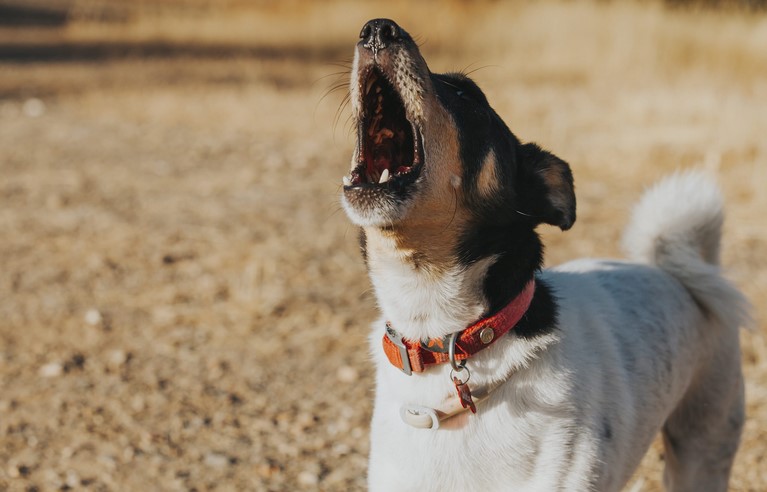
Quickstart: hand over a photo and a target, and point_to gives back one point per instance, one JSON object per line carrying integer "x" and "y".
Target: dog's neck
{"x": 426, "y": 291}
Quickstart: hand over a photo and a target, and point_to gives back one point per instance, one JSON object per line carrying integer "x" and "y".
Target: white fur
{"x": 638, "y": 347}
{"x": 425, "y": 303}
{"x": 378, "y": 214}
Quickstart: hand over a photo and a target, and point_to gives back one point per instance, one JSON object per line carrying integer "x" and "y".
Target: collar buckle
{"x": 397, "y": 341}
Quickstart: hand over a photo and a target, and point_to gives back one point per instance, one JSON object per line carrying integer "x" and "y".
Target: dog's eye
{"x": 459, "y": 93}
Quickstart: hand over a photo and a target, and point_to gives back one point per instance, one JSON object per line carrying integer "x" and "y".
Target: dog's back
{"x": 666, "y": 325}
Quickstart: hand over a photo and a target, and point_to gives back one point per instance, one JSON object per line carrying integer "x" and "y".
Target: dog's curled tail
{"x": 677, "y": 226}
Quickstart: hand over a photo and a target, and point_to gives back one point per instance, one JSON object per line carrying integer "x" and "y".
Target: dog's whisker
{"x": 470, "y": 72}
{"x": 344, "y": 103}
{"x": 526, "y": 215}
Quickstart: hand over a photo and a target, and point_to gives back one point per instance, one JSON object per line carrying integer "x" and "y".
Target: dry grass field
{"x": 182, "y": 303}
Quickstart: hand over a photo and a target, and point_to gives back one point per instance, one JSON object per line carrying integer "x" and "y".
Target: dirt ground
{"x": 182, "y": 302}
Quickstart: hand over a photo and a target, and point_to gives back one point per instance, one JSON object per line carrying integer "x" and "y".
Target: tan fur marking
{"x": 553, "y": 178}
{"x": 433, "y": 227}
{"x": 427, "y": 237}
{"x": 487, "y": 181}
{"x": 555, "y": 183}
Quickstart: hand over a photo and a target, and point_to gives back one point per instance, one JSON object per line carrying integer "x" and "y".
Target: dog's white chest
{"x": 511, "y": 446}
{"x": 426, "y": 303}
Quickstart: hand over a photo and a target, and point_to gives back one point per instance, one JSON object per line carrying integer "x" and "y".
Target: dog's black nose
{"x": 377, "y": 34}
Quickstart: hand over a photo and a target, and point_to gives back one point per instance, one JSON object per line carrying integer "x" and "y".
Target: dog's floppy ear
{"x": 544, "y": 187}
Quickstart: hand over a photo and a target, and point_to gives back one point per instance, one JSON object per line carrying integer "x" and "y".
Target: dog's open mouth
{"x": 390, "y": 147}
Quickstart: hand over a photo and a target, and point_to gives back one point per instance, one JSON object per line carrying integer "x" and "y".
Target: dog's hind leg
{"x": 701, "y": 437}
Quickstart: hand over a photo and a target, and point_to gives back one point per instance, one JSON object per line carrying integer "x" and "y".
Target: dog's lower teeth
{"x": 384, "y": 177}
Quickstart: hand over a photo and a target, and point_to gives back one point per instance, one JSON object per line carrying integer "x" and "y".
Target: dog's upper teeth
{"x": 384, "y": 177}
{"x": 347, "y": 181}
{"x": 369, "y": 84}
{"x": 374, "y": 124}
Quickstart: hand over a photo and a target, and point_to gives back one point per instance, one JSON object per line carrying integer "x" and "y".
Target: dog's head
{"x": 431, "y": 152}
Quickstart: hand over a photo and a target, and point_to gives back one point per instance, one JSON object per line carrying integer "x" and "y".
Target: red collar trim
{"x": 417, "y": 356}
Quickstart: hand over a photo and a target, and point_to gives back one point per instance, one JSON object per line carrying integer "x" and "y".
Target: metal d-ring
{"x": 457, "y": 367}
{"x": 468, "y": 374}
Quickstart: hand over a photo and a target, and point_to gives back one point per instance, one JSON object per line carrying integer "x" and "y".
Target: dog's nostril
{"x": 388, "y": 31}
{"x": 366, "y": 31}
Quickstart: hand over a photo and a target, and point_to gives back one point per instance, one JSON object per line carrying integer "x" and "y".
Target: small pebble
{"x": 72, "y": 479}
{"x": 216, "y": 460}
{"x": 265, "y": 470}
{"x": 93, "y": 317}
{"x": 341, "y": 449}
{"x": 107, "y": 461}
{"x": 33, "y": 107}
{"x": 137, "y": 403}
{"x": 308, "y": 479}
{"x": 51, "y": 370}
{"x": 116, "y": 359}
{"x": 347, "y": 374}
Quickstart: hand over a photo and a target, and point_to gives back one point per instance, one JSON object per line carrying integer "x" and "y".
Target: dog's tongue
{"x": 383, "y": 155}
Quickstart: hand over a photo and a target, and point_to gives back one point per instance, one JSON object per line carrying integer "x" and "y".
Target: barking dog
{"x": 495, "y": 375}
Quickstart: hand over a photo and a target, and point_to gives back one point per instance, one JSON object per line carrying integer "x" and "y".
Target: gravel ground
{"x": 182, "y": 303}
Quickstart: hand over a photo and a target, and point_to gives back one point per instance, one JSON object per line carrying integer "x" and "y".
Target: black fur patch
{"x": 480, "y": 131}
{"x": 499, "y": 227}
{"x": 541, "y": 317}
{"x": 520, "y": 257}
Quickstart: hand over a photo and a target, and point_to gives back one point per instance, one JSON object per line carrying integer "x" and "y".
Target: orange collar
{"x": 410, "y": 356}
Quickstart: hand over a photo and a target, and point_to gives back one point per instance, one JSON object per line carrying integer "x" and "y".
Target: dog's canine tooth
{"x": 347, "y": 181}
{"x": 384, "y": 177}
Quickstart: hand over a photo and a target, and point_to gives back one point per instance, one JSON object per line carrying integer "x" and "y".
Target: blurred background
{"x": 182, "y": 302}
